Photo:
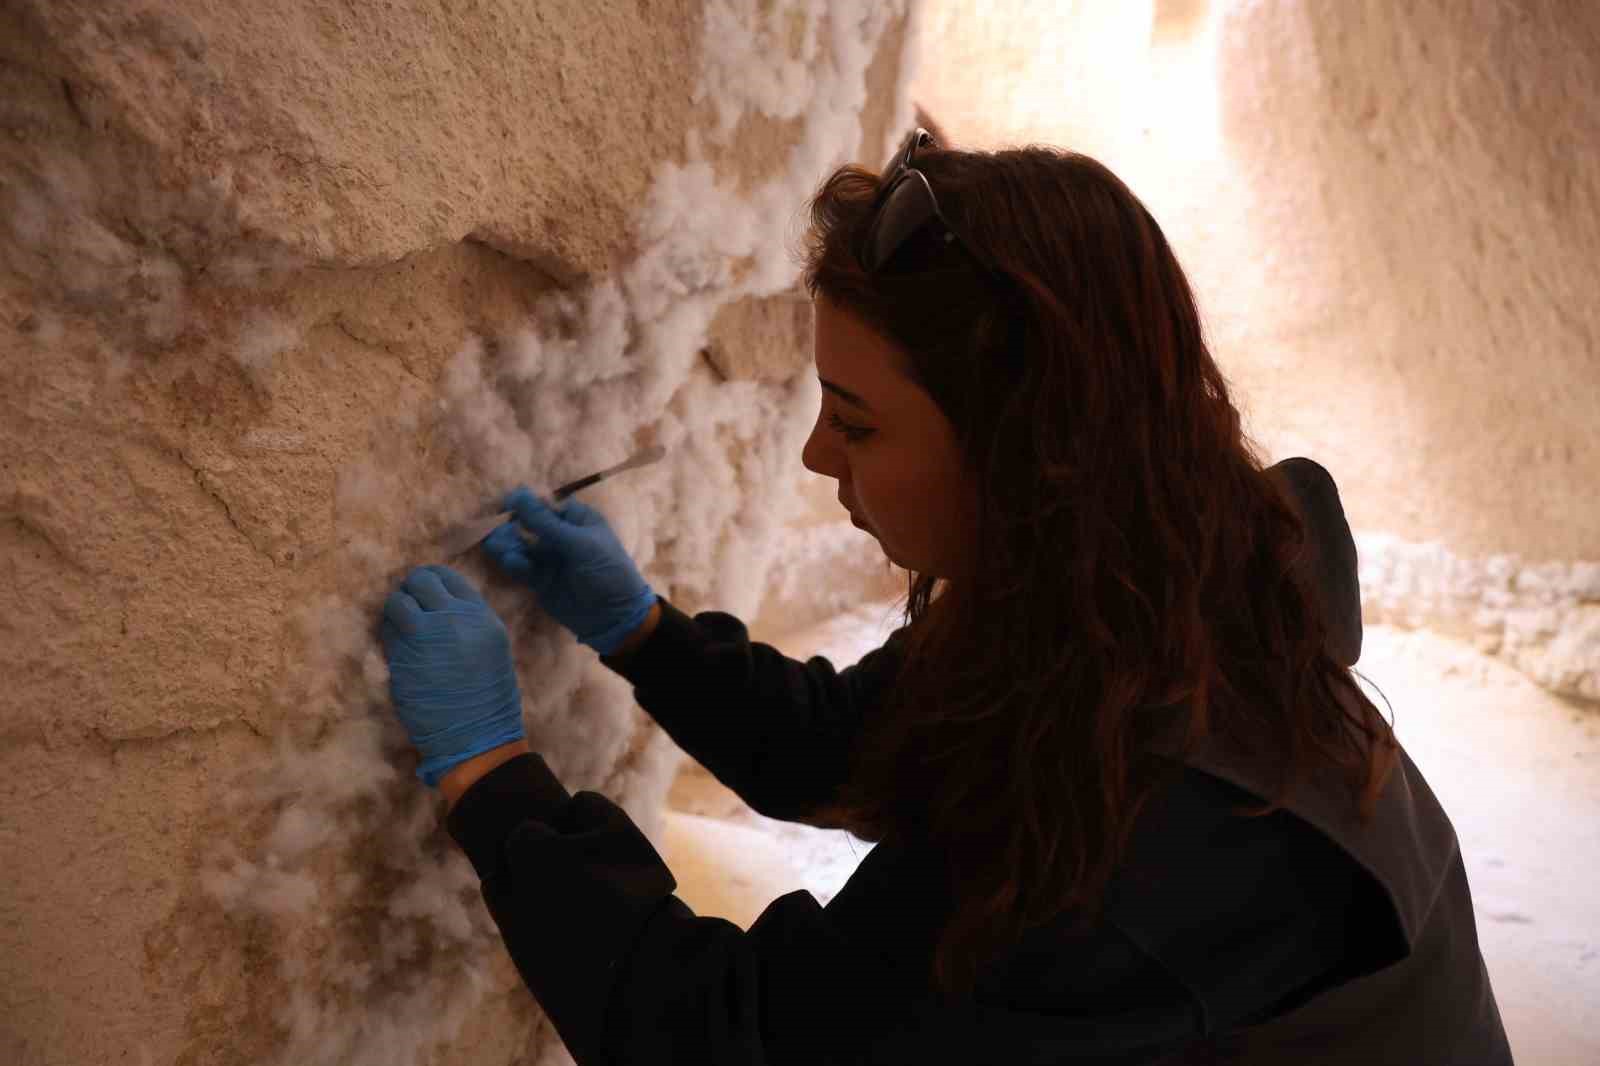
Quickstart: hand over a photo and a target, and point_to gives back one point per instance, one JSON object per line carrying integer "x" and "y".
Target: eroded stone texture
{"x": 286, "y": 289}
{"x": 360, "y": 132}
{"x": 756, "y": 338}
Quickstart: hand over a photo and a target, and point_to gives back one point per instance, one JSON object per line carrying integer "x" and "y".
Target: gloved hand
{"x": 450, "y": 670}
{"x": 579, "y": 571}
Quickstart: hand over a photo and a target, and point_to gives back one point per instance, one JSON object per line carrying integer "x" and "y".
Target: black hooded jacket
{"x": 1300, "y": 937}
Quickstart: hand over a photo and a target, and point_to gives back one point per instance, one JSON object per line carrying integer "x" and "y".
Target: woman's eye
{"x": 851, "y": 433}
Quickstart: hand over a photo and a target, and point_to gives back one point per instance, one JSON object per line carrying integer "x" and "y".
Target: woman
{"x": 1131, "y": 806}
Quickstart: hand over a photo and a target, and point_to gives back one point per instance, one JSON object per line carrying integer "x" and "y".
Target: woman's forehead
{"x": 853, "y": 356}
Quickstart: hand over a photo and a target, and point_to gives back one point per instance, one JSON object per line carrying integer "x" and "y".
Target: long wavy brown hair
{"x": 1138, "y": 572}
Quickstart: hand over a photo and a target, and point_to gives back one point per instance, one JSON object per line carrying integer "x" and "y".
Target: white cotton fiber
{"x": 164, "y": 303}
{"x": 27, "y": 215}
{"x": 257, "y": 265}
{"x": 483, "y": 421}
{"x": 297, "y": 831}
{"x": 372, "y": 558}
{"x": 46, "y": 329}
{"x": 355, "y": 868}
{"x": 228, "y": 887}
{"x": 261, "y": 889}
{"x": 356, "y": 976}
{"x": 751, "y": 64}
{"x": 399, "y": 944}
{"x": 438, "y": 900}
{"x": 522, "y": 357}
{"x": 338, "y": 630}
{"x": 362, "y": 486}
{"x": 375, "y": 672}
{"x": 261, "y": 337}
{"x": 350, "y": 764}
{"x": 605, "y": 325}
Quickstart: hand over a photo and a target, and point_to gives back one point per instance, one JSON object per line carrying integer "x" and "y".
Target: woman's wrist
{"x": 454, "y": 784}
{"x": 642, "y": 634}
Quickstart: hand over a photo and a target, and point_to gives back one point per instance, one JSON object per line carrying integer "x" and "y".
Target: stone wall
{"x": 286, "y": 289}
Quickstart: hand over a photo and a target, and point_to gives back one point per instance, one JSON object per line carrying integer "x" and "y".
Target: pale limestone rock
{"x": 285, "y": 289}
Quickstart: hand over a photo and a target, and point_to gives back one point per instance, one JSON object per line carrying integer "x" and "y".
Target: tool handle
{"x": 573, "y": 486}
{"x": 643, "y": 458}
{"x": 469, "y": 534}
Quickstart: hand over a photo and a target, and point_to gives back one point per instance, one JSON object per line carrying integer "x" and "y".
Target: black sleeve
{"x": 628, "y": 974}
{"x": 774, "y": 730}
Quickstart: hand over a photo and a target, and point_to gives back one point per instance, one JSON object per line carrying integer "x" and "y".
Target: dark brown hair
{"x": 1138, "y": 572}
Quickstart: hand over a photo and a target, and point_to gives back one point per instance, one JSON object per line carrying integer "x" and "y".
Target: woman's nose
{"x": 813, "y": 456}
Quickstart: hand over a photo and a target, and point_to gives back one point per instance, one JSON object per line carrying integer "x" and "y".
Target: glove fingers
{"x": 429, "y": 591}
{"x": 456, "y": 584}
{"x": 509, "y": 551}
{"x": 506, "y": 548}
{"x": 402, "y": 612}
{"x": 534, "y": 514}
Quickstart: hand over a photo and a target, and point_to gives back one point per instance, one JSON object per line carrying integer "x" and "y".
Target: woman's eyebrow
{"x": 845, "y": 394}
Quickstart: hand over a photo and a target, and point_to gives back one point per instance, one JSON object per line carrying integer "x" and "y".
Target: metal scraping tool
{"x": 463, "y": 537}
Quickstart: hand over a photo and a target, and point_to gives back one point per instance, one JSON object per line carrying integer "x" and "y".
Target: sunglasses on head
{"x": 906, "y": 214}
{"x": 906, "y": 218}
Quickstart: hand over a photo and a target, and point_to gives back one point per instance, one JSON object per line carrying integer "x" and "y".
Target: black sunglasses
{"x": 905, "y": 208}
{"x": 906, "y": 214}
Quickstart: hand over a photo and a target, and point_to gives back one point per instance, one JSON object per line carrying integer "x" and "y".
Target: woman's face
{"x": 890, "y": 448}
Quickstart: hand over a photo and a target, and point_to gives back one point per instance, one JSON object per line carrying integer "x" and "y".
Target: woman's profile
{"x": 1130, "y": 804}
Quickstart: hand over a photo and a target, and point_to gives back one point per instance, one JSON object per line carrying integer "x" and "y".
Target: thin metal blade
{"x": 467, "y": 535}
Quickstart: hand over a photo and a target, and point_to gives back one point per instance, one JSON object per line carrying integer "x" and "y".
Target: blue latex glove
{"x": 579, "y": 571}
{"x": 450, "y": 670}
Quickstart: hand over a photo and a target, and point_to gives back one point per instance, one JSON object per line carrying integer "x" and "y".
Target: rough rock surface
{"x": 285, "y": 290}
